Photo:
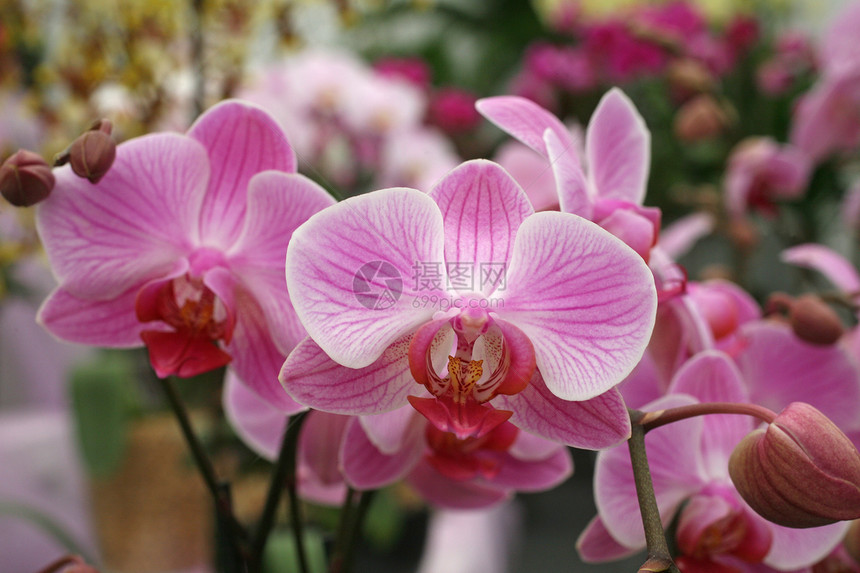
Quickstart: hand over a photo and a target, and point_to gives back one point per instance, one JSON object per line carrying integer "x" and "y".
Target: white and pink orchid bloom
{"x": 555, "y": 313}
{"x": 689, "y": 468}
{"x": 181, "y": 246}
{"x": 617, "y": 159}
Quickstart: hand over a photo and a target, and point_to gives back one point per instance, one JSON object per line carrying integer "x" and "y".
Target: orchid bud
{"x": 700, "y": 119}
{"x": 25, "y": 179}
{"x": 91, "y": 155}
{"x": 801, "y": 471}
{"x": 814, "y": 321}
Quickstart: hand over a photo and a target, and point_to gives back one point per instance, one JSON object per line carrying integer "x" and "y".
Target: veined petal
{"x": 618, "y": 149}
{"x": 574, "y": 195}
{"x": 445, "y": 492}
{"x": 260, "y": 426}
{"x": 256, "y": 358}
{"x": 711, "y": 376}
{"x": 365, "y": 467}
{"x": 779, "y": 368}
{"x": 111, "y": 323}
{"x": 482, "y": 208}
{"x": 523, "y": 119}
{"x": 584, "y": 298}
{"x": 592, "y": 424}
{"x": 350, "y": 271}
{"x": 241, "y": 140}
{"x": 315, "y": 380}
{"x": 828, "y": 262}
{"x": 132, "y": 226}
{"x": 278, "y": 203}
{"x": 596, "y": 545}
{"x": 615, "y": 489}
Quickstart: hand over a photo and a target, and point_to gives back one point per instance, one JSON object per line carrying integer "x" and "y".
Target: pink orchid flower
{"x": 541, "y": 341}
{"x": 761, "y": 171}
{"x": 181, "y": 246}
{"x": 689, "y": 466}
{"x": 617, "y": 155}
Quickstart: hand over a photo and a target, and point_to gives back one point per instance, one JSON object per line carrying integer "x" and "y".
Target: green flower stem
{"x": 223, "y": 504}
{"x": 351, "y": 519}
{"x": 283, "y": 476}
{"x": 651, "y": 420}
{"x": 659, "y": 558}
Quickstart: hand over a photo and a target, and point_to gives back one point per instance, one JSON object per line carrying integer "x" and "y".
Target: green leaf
{"x": 280, "y": 554}
{"x": 101, "y": 397}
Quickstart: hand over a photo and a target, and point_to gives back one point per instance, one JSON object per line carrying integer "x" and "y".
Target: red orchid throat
{"x": 189, "y": 322}
{"x": 461, "y": 395}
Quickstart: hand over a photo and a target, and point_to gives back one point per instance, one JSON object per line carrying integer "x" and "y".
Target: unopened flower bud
{"x": 700, "y": 119}
{"x": 25, "y": 179}
{"x": 801, "y": 471}
{"x": 814, "y": 321}
{"x": 91, "y": 155}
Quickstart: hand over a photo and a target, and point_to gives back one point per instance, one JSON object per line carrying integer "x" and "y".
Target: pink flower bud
{"x": 25, "y": 179}
{"x": 801, "y": 471}
{"x": 814, "y": 321}
{"x": 91, "y": 155}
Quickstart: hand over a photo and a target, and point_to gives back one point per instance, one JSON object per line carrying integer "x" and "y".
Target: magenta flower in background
{"x": 555, "y": 313}
{"x": 689, "y": 463}
{"x": 181, "y": 247}
{"x": 617, "y": 155}
{"x": 761, "y": 172}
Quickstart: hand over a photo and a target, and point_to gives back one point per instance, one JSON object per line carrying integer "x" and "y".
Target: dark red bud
{"x": 91, "y": 155}
{"x": 25, "y": 179}
{"x": 814, "y": 321}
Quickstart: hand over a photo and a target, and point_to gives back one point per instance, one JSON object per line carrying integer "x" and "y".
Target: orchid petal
{"x": 336, "y": 255}
{"x": 614, "y": 486}
{"x": 315, "y": 380}
{"x": 523, "y": 119}
{"x": 574, "y": 195}
{"x": 320, "y": 476}
{"x": 677, "y": 239}
{"x": 593, "y": 424}
{"x": 111, "y": 323}
{"x": 618, "y": 149}
{"x": 132, "y": 226}
{"x": 796, "y": 548}
{"x": 643, "y": 385}
{"x": 826, "y": 261}
{"x": 445, "y": 492}
{"x": 256, "y": 359}
{"x": 779, "y": 368}
{"x": 277, "y": 204}
{"x": 482, "y": 208}
{"x": 386, "y": 431}
{"x": 260, "y": 426}
{"x": 711, "y": 376}
{"x": 596, "y": 545}
{"x": 532, "y": 172}
{"x": 241, "y": 140}
{"x": 585, "y": 299}
{"x": 365, "y": 467}
{"x": 534, "y": 475}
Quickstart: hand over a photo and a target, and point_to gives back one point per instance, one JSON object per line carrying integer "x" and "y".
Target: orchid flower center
{"x": 190, "y": 320}
{"x": 464, "y": 364}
